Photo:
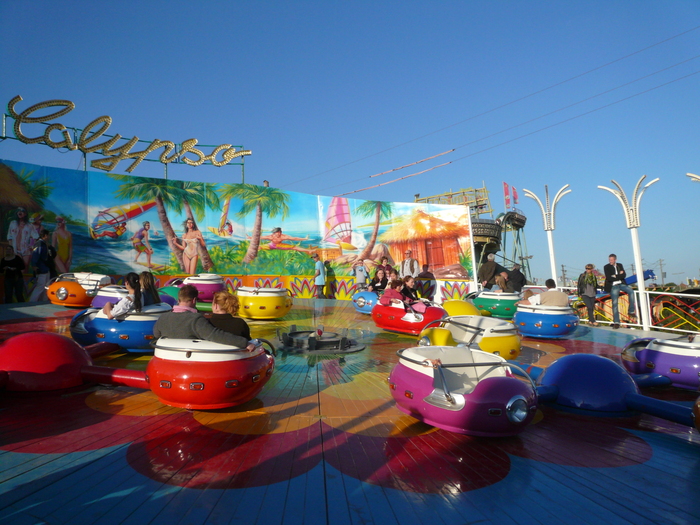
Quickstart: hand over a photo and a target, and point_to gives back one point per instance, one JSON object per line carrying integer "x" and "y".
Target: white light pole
{"x": 631, "y": 210}
{"x": 548, "y": 219}
{"x": 693, "y": 178}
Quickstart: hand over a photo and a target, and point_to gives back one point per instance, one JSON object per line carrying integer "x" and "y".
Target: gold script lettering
{"x": 140, "y": 155}
{"x": 188, "y": 146}
{"x": 24, "y": 118}
{"x": 112, "y": 155}
{"x": 66, "y": 142}
{"x": 84, "y": 139}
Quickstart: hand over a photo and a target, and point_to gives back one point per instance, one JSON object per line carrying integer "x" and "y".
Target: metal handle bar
{"x": 427, "y": 363}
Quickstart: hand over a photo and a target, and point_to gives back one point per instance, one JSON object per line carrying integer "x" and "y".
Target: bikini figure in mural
{"x": 191, "y": 241}
{"x": 62, "y": 240}
{"x": 277, "y": 241}
{"x": 22, "y": 236}
{"x": 141, "y": 243}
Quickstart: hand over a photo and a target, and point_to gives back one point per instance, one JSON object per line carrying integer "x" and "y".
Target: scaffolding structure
{"x": 476, "y": 199}
{"x": 489, "y": 234}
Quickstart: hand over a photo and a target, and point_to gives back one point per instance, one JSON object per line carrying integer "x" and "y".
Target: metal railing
{"x": 669, "y": 312}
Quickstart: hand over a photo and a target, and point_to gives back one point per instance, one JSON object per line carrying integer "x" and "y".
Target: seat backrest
{"x": 469, "y": 328}
{"x": 460, "y": 380}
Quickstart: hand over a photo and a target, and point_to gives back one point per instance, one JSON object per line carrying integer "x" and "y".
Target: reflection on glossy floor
{"x": 323, "y": 443}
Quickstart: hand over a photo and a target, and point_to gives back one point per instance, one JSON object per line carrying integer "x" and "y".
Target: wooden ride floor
{"x": 324, "y": 444}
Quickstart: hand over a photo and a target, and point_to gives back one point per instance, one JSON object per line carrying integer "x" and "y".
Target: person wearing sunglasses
{"x": 587, "y": 289}
{"x": 409, "y": 266}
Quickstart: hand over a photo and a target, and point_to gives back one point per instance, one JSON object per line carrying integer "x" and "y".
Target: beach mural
{"x": 252, "y": 235}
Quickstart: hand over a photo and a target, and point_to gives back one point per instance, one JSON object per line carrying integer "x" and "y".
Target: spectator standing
{"x": 426, "y": 273}
{"x": 12, "y": 266}
{"x": 319, "y": 276}
{"x": 40, "y": 264}
{"x": 361, "y": 273}
{"x": 587, "y": 288}
{"x": 614, "y": 284}
{"x": 409, "y": 266}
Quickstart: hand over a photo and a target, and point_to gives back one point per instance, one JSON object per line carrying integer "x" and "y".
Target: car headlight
{"x": 424, "y": 341}
{"x": 361, "y": 301}
{"x": 516, "y": 409}
{"x": 62, "y": 294}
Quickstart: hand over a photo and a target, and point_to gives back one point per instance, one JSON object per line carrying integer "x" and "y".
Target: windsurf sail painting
{"x": 225, "y": 228}
{"x": 111, "y": 223}
{"x": 338, "y": 228}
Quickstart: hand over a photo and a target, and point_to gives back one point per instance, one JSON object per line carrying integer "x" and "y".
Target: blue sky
{"x": 327, "y": 94}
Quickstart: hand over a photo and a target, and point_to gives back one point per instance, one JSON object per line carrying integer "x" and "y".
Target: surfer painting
{"x": 277, "y": 241}
{"x": 141, "y": 244}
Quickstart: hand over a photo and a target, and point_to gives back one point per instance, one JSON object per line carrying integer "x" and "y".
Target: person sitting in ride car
{"x": 379, "y": 282}
{"x": 149, "y": 291}
{"x": 185, "y": 322}
{"x": 411, "y": 296}
{"x": 224, "y": 307}
{"x": 392, "y": 295}
{"x": 126, "y": 304}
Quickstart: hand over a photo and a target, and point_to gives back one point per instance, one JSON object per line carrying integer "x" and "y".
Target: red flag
{"x": 515, "y": 196}
{"x": 506, "y": 194}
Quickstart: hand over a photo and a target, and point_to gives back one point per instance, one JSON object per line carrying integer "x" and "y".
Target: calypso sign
{"x": 112, "y": 155}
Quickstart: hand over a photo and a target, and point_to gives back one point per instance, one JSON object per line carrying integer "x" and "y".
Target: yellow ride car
{"x": 263, "y": 303}
{"x": 488, "y": 334}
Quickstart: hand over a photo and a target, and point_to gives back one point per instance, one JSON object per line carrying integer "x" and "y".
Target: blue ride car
{"x": 134, "y": 333}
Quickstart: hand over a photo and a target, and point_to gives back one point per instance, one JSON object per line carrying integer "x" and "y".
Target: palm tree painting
{"x": 261, "y": 199}
{"x": 39, "y": 188}
{"x": 380, "y": 210}
{"x": 164, "y": 193}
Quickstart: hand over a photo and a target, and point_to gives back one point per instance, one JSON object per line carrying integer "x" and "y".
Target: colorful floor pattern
{"x": 324, "y": 444}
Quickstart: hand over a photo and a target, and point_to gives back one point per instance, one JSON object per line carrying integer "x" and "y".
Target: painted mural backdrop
{"x": 252, "y": 235}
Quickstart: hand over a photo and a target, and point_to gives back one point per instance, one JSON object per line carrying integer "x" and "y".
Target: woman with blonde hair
{"x": 224, "y": 307}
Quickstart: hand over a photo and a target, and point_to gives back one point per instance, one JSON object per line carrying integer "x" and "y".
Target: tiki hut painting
{"x": 433, "y": 241}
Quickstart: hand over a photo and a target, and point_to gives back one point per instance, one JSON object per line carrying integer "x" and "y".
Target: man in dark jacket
{"x": 491, "y": 273}
{"x": 40, "y": 265}
{"x": 185, "y": 322}
{"x": 614, "y": 284}
{"x": 516, "y": 279}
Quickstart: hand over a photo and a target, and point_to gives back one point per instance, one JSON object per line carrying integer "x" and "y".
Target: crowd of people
{"x": 32, "y": 249}
{"x": 398, "y": 286}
